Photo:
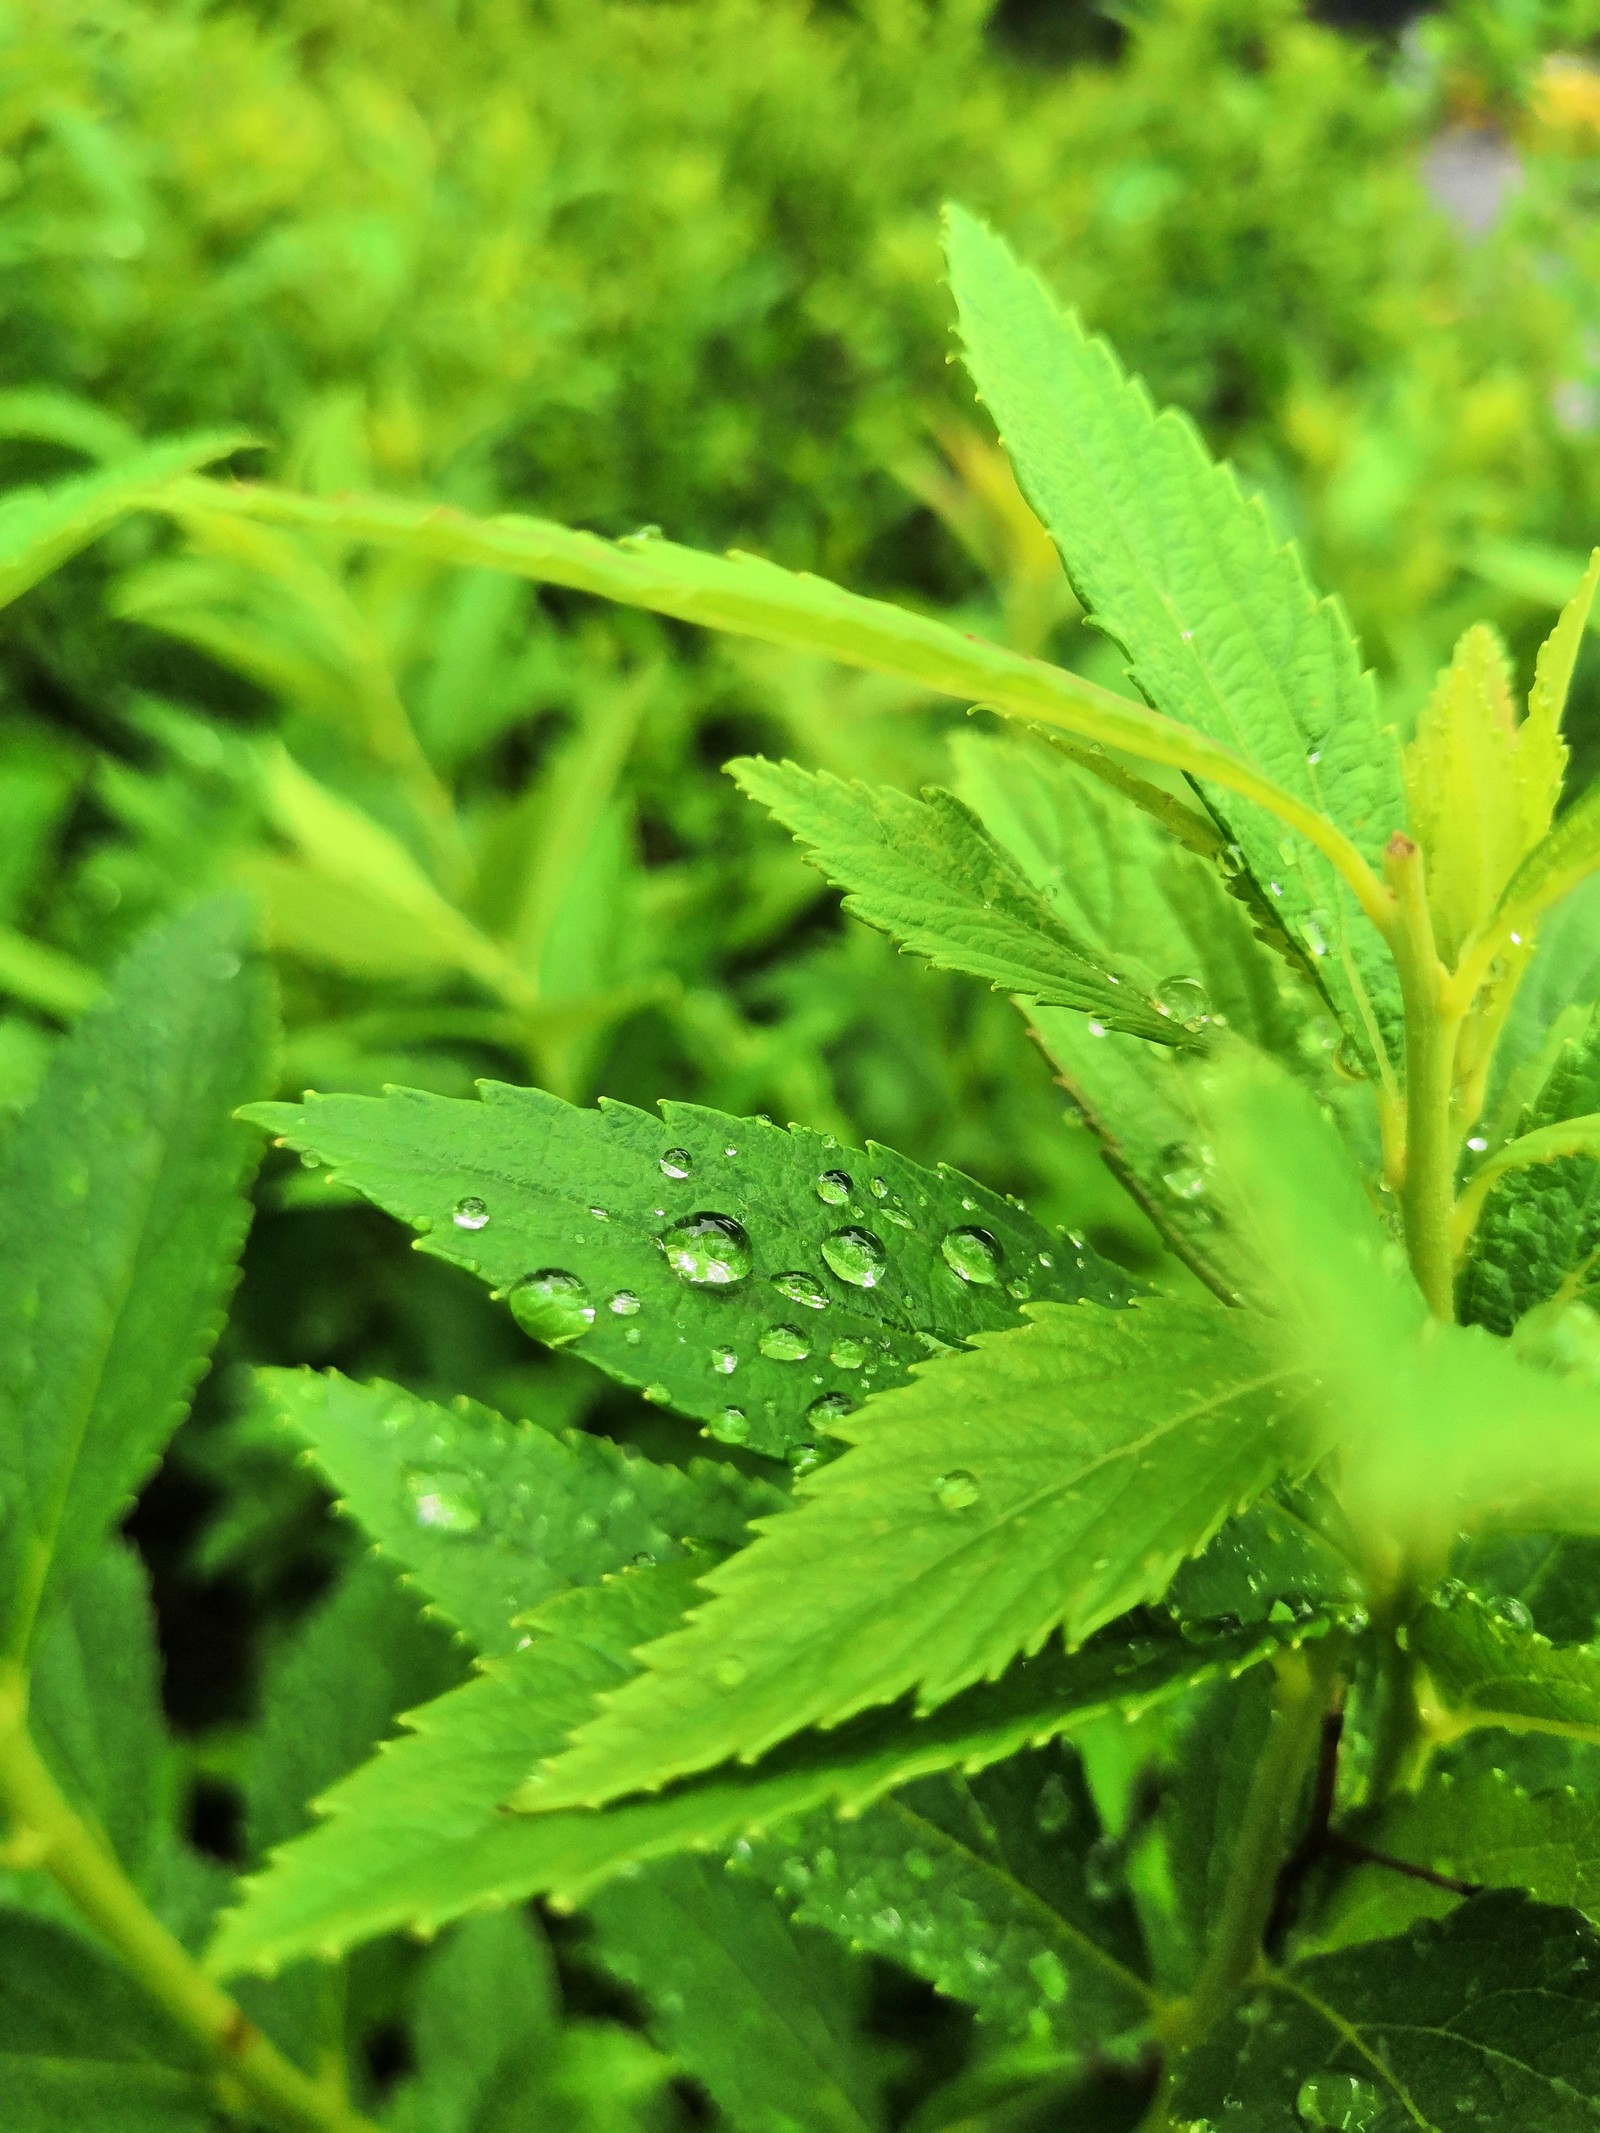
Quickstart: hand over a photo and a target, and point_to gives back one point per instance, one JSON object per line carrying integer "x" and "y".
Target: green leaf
{"x": 1051, "y": 1481}
{"x": 1558, "y": 864}
{"x": 420, "y": 1835}
{"x": 1290, "y": 1551}
{"x": 1221, "y": 628}
{"x": 1563, "y": 972}
{"x": 82, "y": 2046}
{"x": 1117, "y": 881}
{"x": 1538, "y": 1236}
{"x": 120, "y": 1215}
{"x": 41, "y": 528}
{"x": 491, "y": 1517}
{"x": 924, "y": 872}
{"x": 988, "y": 1887}
{"x": 1482, "y": 1831}
{"x": 1488, "y": 1667}
{"x": 1220, "y": 1736}
{"x": 807, "y": 1273}
{"x": 1487, "y": 2017}
{"x": 766, "y": 2017}
{"x": 1554, "y": 1576}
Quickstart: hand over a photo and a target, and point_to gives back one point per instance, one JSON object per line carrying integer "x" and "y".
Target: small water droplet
{"x": 956, "y": 1491}
{"x": 880, "y": 1188}
{"x": 470, "y": 1213}
{"x": 1513, "y": 1613}
{"x": 1183, "y": 1171}
{"x": 677, "y": 1163}
{"x": 709, "y": 1251}
{"x": 1102, "y": 1870}
{"x": 1313, "y": 931}
{"x": 658, "y": 1395}
{"x": 1349, "y": 1059}
{"x": 1046, "y": 1259}
{"x": 444, "y": 1503}
{"x": 632, "y": 1336}
{"x": 1053, "y": 1810}
{"x": 1338, "y": 2101}
{"x": 803, "y": 1458}
{"x": 724, "y": 1361}
{"x": 1095, "y": 1029}
{"x": 834, "y": 1186}
{"x": 847, "y": 1355}
{"x": 856, "y": 1256}
{"x": 1230, "y": 861}
{"x": 1018, "y": 1291}
{"x": 832, "y": 1407}
{"x": 625, "y": 1304}
{"x": 733, "y": 1425}
{"x": 1477, "y": 1142}
{"x": 784, "y": 1344}
{"x": 1184, "y": 1000}
{"x": 552, "y": 1305}
{"x": 802, "y": 1288}
{"x": 973, "y": 1254}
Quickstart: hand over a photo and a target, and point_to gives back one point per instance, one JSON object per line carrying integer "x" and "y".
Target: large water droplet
{"x": 834, "y": 1186}
{"x": 802, "y": 1289}
{"x": 470, "y": 1213}
{"x": 709, "y": 1251}
{"x": 1185, "y": 1000}
{"x": 956, "y": 1491}
{"x": 1341, "y": 2101}
{"x": 677, "y": 1163}
{"x": 444, "y": 1503}
{"x": 552, "y": 1305}
{"x": 973, "y": 1254}
{"x": 1183, "y": 1171}
{"x": 832, "y": 1407}
{"x": 784, "y": 1344}
{"x": 847, "y": 1355}
{"x": 856, "y": 1256}
{"x": 625, "y": 1304}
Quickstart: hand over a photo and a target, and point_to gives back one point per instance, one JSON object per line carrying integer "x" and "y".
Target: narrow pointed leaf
{"x": 1222, "y": 630}
{"x": 120, "y": 1216}
{"x": 762, "y": 1281}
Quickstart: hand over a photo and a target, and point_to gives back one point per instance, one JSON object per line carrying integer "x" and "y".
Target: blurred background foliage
{"x": 673, "y": 263}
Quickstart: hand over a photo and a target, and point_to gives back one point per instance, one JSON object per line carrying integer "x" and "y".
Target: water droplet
{"x": 1049, "y": 1974}
{"x": 880, "y": 1188}
{"x": 470, "y": 1213}
{"x": 1339, "y": 2101}
{"x": 1102, "y": 1871}
{"x": 1230, "y": 861}
{"x": 847, "y": 1355}
{"x": 625, "y": 1304}
{"x": 832, "y": 1407}
{"x": 658, "y": 1395}
{"x": 729, "y": 1673}
{"x": 1095, "y": 1029}
{"x": 956, "y": 1491}
{"x": 677, "y": 1163}
{"x": 733, "y": 1425}
{"x": 973, "y": 1254}
{"x": 1018, "y": 1291}
{"x": 1513, "y": 1613}
{"x": 834, "y": 1186}
{"x": 784, "y": 1344}
{"x": 724, "y": 1361}
{"x": 1349, "y": 1059}
{"x": 1185, "y": 1000}
{"x": 1313, "y": 931}
{"x": 1477, "y": 1142}
{"x": 552, "y": 1305}
{"x": 632, "y": 1336}
{"x": 1046, "y": 1259}
{"x": 444, "y": 1503}
{"x": 1183, "y": 1171}
{"x": 708, "y": 1251}
{"x": 802, "y": 1289}
{"x": 1052, "y": 1810}
{"x": 803, "y": 1458}
{"x": 856, "y": 1256}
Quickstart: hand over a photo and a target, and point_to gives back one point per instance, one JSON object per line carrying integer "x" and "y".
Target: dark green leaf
{"x": 490, "y": 1516}
{"x": 758, "y": 1280}
{"x": 120, "y": 1215}
{"x": 1490, "y": 1667}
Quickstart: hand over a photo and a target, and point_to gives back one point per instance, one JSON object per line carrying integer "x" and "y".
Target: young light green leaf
{"x": 1118, "y": 882}
{"x": 1488, "y": 2016}
{"x": 1538, "y": 1237}
{"x": 1051, "y": 1481}
{"x": 1222, "y": 630}
{"x": 990, "y": 1887}
{"x": 41, "y": 528}
{"x": 491, "y": 1517}
{"x": 81, "y": 2045}
{"x": 1489, "y": 1668}
{"x": 767, "y": 2018}
{"x": 924, "y": 872}
{"x": 420, "y": 1835}
{"x": 120, "y": 1215}
{"x": 1558, "y": 864}
{"x": 762, "y": 1281}
{"x": 1563, "y": 974}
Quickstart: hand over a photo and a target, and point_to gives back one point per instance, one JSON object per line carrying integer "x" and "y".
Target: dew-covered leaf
{"x": 1489, "y": 1666}
{"x": 490, "y": 1516}
{"x": 1489, "y": 2017}
{"x": 1048, "y": 1482}
{"x": 992, "y": 1887}
{"x": 766, "y": 2017}
{"x": 120, "y": 1216}
{"x": 1285, "y": 1558}
{"x": 925, "y": 872}
{"x": 761, "y": 1281}
{"x": 1222, "y": 630}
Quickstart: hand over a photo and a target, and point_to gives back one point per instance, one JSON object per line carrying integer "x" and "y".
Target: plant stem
{"x": 1428, "y": 1190}
{"x": 58, "y": 1839}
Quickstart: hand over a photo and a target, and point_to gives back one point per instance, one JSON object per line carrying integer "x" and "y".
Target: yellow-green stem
{"x": 56, "y": 1838}
{"x": 1428, "y": 1191}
